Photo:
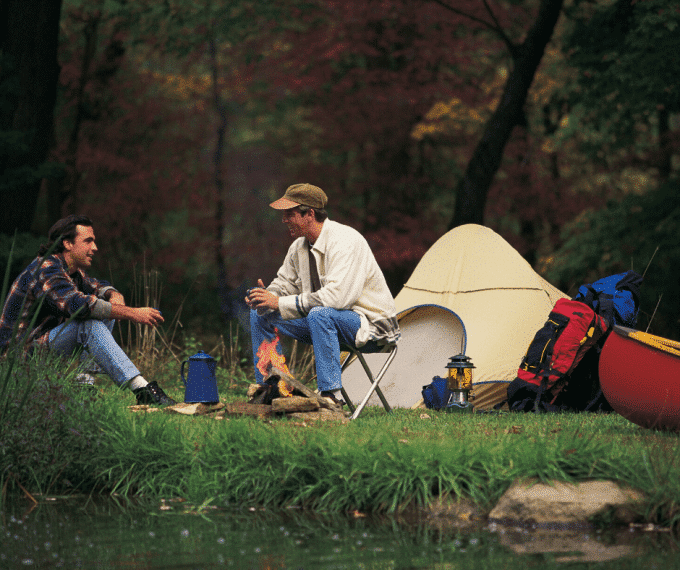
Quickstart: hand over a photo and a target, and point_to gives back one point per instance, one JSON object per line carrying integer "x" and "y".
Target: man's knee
{"x": 96, "y": 324}
{"x": 94, "y": 327}
{"x": 320, "y": 314}
{"x": 266, "y": 323}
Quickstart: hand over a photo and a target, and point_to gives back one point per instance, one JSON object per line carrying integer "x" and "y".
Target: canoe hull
{"x": 640, "y": 377}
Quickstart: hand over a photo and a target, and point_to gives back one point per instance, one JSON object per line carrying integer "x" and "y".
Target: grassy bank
{"x": 379, "y": 463}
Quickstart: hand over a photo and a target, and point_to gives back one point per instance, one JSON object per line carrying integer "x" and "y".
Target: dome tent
{"x": 497, "y": 300}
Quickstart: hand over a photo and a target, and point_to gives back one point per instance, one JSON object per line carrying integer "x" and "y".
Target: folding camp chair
{"x": 353, "y": 352}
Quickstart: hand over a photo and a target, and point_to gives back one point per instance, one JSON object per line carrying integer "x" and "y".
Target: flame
{"x": 267, "y": 356}
{"x": 285, "y": 389}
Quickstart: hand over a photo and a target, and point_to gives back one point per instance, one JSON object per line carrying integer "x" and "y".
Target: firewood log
{"x": 294, "y": 404}
{"x": 323, "y": 402}
{"x": 245, "y": 409}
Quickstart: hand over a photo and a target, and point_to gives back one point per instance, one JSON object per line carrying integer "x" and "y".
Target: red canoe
{"x": 640, "y": 377}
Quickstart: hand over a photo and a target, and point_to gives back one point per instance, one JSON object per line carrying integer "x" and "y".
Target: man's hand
{"x": 260, "y": 298}
{"x": 148, "y": 316}
{"x": 142, "y": 315}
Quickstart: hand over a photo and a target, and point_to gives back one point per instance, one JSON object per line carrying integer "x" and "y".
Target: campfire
{"x": 269, "y": 359}
{"x": 280, "y": 389}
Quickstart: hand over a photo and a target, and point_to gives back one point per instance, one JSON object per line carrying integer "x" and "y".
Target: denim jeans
{"x": 324, "y": 328}
{"x": 99, "y": 347}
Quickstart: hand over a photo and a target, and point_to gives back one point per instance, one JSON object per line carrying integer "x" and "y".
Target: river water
{"x": 82, "y": 533}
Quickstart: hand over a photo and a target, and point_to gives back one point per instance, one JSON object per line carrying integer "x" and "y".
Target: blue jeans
{"x": 324, "y": 328}
{"x": 99, "y": 347}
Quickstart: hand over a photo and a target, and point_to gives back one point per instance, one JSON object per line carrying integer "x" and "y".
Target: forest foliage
{"x": 176, "y": 123}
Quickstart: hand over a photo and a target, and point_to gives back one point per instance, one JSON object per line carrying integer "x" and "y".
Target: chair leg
{"x": 345, "y": 363}
{"x": 349, "y": 403}
{"x": 374, "y": 383}
{"x": 374, "y": 380}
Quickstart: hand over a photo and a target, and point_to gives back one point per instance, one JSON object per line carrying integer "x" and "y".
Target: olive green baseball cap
{"x": 301, "y": 195}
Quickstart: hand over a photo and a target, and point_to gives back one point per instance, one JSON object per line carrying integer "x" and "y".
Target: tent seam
{"x": 478, "y": 290}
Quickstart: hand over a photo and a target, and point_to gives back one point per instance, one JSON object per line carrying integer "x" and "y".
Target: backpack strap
{"x": 539, "y": 394}
{"x": 606, "y": 307}
{"x": 542, "y": 389}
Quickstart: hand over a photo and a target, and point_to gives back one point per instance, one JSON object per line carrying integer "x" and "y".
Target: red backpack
{"x": 571, "y": 330}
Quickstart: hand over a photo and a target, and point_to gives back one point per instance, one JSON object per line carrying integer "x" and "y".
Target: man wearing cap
{"x": 328, "y": 291}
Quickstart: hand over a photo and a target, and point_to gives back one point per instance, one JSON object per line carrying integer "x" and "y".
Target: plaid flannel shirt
{"x": 64, "y": 294}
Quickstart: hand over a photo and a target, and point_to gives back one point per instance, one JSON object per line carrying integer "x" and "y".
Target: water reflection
{"x": 571, "y": 546}
{"x": 80, "y": 533}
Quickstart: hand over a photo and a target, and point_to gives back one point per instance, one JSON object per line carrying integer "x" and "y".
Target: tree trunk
{"x": 65, "y": 188}
{"x": 29, "y": 32}
{"x": 472, "y": 190}
{"x": 218, "y": 157}
{"x": 665, "y": 146}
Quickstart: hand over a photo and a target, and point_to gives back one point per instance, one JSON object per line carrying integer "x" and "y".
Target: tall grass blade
{"x": 5, "y": 282}
{"x": 650, "y": 261}
{"x": 654, "y": 313}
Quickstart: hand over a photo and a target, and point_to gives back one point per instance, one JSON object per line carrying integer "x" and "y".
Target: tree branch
{"x": 494, "y": 27}
{"x": 472, "y": 190}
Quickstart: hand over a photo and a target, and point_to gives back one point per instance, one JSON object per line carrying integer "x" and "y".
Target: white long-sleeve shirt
{"x": 350, "y": 280}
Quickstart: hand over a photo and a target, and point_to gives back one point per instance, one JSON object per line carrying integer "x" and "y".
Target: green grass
{"x": 378, "y": 463}
{"x": 46, "y": 427}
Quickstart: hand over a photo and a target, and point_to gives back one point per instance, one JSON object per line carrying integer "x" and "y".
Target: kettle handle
{"x": 181, "y": 372}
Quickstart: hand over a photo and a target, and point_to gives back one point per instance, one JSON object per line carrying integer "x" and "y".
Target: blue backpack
{"x": 615, "y": 298}
{"x": 437, "y": 394}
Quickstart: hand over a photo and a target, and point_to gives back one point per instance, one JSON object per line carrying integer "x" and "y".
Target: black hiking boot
{"x": 332, "y": 398}
{"x": 152, "y": 394}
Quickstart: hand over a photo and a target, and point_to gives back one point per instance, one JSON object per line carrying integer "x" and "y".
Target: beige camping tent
{"x": 499, "y": 301}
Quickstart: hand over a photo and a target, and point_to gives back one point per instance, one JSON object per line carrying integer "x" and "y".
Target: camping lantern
{"x": 459, "y": 382}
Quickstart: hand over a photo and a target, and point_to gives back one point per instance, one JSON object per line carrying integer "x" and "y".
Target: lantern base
{"x": 458, "y": 402}
{"x": 459, "y": 408}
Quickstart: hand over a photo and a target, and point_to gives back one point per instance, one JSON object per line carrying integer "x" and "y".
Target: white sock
{"x": 137, "y": 382}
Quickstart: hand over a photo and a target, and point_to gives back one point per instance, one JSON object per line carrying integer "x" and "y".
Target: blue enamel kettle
{"x": 200, "y": 385}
